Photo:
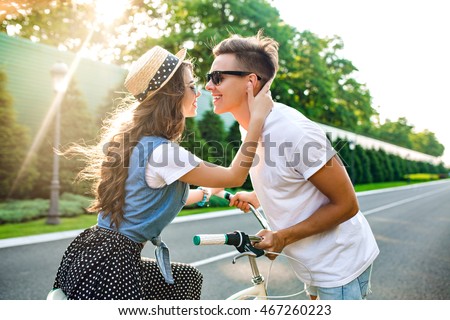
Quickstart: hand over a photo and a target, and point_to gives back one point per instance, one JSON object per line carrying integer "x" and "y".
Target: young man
{"x": 299, "y": 180}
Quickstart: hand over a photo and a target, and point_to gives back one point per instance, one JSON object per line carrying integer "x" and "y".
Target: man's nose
{"x": 209, "y": 86}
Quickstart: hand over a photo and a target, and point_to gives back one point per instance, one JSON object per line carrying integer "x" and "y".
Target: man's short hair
{"x": 258, "y": 54}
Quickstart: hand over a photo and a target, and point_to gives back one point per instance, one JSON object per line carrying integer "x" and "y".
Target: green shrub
{"x": 14, "y": 211}
{"x": 421, "y": 177}
{"x": 70, "y": 208}
{"x": 23, "y": 210}
{"x": 82, "y": 201}
{"x": 218, "y": 202}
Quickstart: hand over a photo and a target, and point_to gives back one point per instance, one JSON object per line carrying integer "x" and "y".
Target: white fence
{"x": 370, "y": 143}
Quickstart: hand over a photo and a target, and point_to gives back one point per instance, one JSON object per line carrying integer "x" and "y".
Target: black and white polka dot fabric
{"x": 101, "y": 264}
{"x": 161, "y": 75}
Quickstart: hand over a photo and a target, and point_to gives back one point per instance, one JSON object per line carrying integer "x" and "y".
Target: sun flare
{"x": 106, "y": 10}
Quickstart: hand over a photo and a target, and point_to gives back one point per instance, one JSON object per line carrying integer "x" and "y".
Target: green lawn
{"x": 11, "y": 230}
{"x": 382, "y": 185}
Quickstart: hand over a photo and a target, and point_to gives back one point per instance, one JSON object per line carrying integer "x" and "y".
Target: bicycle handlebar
{"x": 227, "y": 195}
{"x": 231, "y": 238}
{"x": 241, "y": 241}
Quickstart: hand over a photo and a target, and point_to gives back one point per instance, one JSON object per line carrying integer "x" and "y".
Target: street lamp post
{"x": 351, "y": 146}
{"x": 58, "y": 72}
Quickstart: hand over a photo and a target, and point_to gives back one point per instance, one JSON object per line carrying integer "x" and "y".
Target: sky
{"x": 401, "y": 49}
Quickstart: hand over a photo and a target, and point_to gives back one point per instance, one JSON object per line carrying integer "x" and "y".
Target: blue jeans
{"x": 357, "y": 289}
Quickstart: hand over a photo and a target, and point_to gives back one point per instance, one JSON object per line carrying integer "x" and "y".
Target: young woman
{"x": 141, "y": 181}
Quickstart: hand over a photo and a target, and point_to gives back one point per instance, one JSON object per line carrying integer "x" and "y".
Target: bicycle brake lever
{"x": 244, "y": 254}
{"x": 252, "y": 249}
{"x": 246, "y": 245}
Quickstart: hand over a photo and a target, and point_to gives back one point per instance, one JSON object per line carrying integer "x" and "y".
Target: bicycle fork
{"x": 258, "y": 291}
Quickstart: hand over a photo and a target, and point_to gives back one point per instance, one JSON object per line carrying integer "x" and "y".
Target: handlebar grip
{"x": 231, "y": 239}
{"x": 210, "y": 239}
{"x": 227, "y": 195}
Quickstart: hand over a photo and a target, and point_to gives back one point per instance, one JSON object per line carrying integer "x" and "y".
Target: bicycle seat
{"x": 56, "y": 294}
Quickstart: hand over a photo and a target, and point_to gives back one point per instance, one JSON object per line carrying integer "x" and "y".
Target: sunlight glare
{"x": 107, "y": 12}
{"x": 189, "y": 44}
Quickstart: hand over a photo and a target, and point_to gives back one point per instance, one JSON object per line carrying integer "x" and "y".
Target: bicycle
{"x": 58, "y": 294}
{"x": 244, "y": 245}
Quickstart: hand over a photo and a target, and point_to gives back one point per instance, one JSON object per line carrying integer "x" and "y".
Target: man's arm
{"x": 333, "y": 181}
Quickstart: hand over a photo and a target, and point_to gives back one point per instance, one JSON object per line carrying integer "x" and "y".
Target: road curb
{"x": 54, "y": 236}
{"x": 20, "y": 241}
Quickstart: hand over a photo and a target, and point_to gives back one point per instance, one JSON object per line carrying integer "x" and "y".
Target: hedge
{"x": 14, "y": 211}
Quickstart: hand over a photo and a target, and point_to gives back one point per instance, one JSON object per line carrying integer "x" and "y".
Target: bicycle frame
{"x": 258, "y": 292}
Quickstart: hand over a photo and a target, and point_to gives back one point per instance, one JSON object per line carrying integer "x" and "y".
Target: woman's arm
{"x": 196, "y": 195}
{"x": 242, "y": 200}
{"x": 211, "y": 175}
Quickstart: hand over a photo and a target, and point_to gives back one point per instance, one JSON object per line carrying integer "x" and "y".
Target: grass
{"x": 382, "y": 185}
{"x": 39, "y": 226}
{"x": 12, "y": 230}
{"x": 35, "y": 227}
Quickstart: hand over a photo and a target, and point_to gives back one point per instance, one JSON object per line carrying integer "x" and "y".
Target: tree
{"x": 312, "y": 76}
{"x": 352, "y": 103}
{"x": 376, "y": 167}
{"x": 233, "y": 142}
{"x": 201, "y": 24}
{"x": 212, "y": 129}
{"x": 67, "y": 23}
{"x": 388, "y": 170}
{"x": 57, "y": 23}
{"x": 426, "y": 142}
{"x": 192, "y": 140}
{"x": 314, "y": 84}
{"x": 397, "y": 132}
{"x": 14, "y": 139}
{"x": 365, "y": 175}
{"x": 398, "y": 170}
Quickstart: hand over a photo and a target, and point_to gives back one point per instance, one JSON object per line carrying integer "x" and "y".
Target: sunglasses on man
{"x": 217, "y": 76}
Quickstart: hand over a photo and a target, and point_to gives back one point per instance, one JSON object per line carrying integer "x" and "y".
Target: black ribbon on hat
{"x": 160, "y": 76}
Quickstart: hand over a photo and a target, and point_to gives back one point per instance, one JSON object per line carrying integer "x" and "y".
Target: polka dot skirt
{"x": 104, "y": 264}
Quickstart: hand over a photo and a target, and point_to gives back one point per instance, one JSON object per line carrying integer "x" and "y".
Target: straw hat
{"x": 152, "y": 71}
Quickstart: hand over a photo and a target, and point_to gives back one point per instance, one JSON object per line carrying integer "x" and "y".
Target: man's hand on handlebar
{"x": 270, "y": 241}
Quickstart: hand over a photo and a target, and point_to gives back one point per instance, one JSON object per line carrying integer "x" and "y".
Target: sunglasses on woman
{"x": 217, "y": 76}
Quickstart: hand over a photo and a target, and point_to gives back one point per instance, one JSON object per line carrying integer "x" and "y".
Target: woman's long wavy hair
{"x": 107, "y": 162}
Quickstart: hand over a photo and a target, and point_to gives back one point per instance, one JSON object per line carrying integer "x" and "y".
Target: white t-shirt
{"x": 293, "y": 148}
{"x": 167, "y": 163}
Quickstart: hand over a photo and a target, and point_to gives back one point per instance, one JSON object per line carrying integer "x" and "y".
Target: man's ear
{"x": 255, "y": 83}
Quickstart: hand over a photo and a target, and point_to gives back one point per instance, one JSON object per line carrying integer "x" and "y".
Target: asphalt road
{"x": 411, "y": 225}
